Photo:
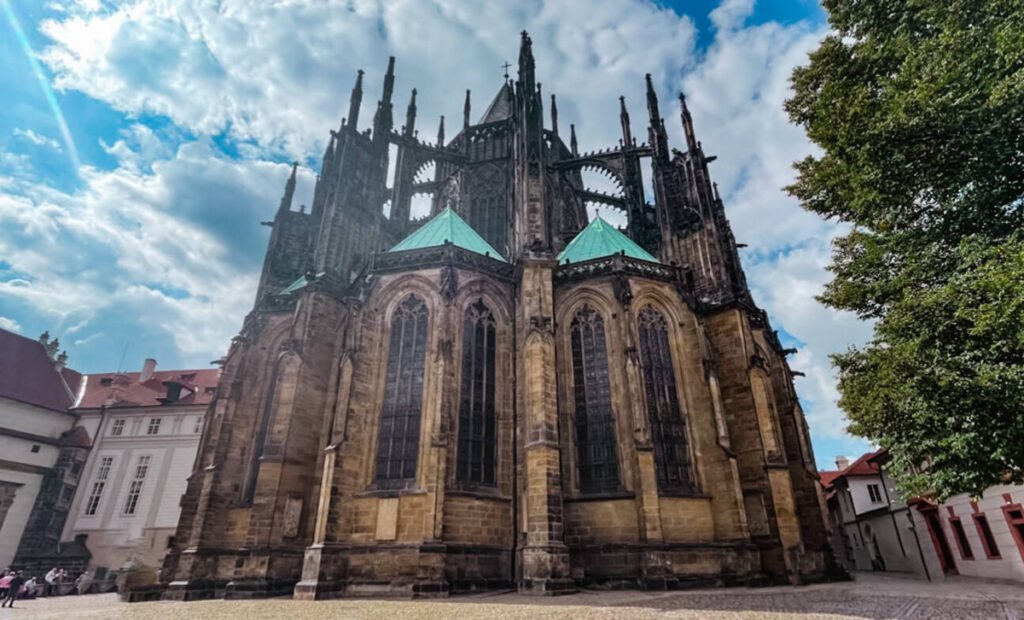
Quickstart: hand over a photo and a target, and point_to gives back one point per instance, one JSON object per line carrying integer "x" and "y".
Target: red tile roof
{"x": 124, "y": 390}
{"x": 28, "y": 375}
{"x": 866, "y": 465}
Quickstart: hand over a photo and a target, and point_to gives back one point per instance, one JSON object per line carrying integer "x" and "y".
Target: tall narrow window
{"x": 961, "y": 538}
{"x": 96, "y": 492}
{"x": 131, "y": 502}
{"x": 668, "y": 430}
{"x": 985, "y": 533}
{"x": 596, "y": 452}
{"x": 476, "y": 405}
{"x": 399, "y": 435}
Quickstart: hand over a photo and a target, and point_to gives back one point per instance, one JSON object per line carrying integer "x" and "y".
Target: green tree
{"x": 918, "y": 109}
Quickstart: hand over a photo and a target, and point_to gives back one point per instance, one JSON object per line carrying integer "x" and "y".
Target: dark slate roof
{"x": 500, "y": 108}
{"x": 123, "y": 389}
{"x": 28, "y": 375}
{"x": 447, "y": 227}
{"x": 601, "y": 239}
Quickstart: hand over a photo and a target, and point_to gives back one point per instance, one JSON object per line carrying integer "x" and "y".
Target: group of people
{"x": 15, "y": 585}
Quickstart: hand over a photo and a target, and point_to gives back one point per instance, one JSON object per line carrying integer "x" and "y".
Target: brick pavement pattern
{"x": 869, "y": 597}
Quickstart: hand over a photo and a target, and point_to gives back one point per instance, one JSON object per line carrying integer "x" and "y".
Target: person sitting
{"x": 30, "y": 588}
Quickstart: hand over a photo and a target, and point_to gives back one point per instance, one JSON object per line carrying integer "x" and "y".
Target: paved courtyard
{"x": 869, "y": 596}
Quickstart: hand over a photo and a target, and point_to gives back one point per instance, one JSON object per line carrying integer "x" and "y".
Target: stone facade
{"x": 406, "y": 422}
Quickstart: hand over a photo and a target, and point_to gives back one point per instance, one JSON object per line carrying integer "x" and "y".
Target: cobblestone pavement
{"x": 869, "y": 596}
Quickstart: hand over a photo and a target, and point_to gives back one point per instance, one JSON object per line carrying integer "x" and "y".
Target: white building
{"x": 40, "y": 456}
{"x": 876, "y": 529}
{"x": 146, "y": 427}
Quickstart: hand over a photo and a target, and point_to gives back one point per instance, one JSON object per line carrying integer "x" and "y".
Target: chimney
{"x": 842, "y": 462}
{"x": 147, "y": 370}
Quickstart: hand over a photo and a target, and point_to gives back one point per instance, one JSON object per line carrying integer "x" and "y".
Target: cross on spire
{"x": 505, "y": 67}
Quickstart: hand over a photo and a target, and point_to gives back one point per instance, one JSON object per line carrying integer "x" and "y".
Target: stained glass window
{"x": 399, "y": 435}
{"x": 596, "y": 453}
{"x": 475, "y": 463}
{"x": 668, "y": 429}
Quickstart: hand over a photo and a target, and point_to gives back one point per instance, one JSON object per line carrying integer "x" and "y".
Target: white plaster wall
{"x": 859, "y": 493}
{"x": 28, "y": 419}
{"x": 179, "y": 467}
{"x": 1009, "y": 565}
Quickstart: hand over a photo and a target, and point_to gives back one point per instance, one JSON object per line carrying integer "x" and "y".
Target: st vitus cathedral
{"x": 503, "y": 393}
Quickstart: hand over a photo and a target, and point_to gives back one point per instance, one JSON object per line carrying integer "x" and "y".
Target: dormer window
{"x": 173, "y": 392}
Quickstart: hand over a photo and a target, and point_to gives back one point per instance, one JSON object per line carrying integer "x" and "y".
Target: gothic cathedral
{"x": 507, "y": 392}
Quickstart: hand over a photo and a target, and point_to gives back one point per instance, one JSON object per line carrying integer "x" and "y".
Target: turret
{"x": 554, "y": 115}
{"x": 572, "y": 141}
{"x": 410, "y": 115}
{"x": 289, "y": 191}
{"x": 691, "y": 138}
{"x": 440, "y": 132}
{"x": 382, "y": 120}
{"x": 465, "y": 111}
{"x": 526, "y": 64}
{"x": 627, "y": 135}
{"x": 355, "y": 101}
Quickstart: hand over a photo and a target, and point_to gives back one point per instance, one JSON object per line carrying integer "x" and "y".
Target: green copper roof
{"x": 600, "y": 239}
{"x": 447, "y": 226}
{"x": 294, "y": 286}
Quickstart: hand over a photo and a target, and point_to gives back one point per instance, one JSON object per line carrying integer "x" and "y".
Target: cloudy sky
{"x": 142, "y": 142}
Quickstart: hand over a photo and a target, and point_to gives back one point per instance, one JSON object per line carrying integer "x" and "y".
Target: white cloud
{"x": 276, "y": 76}
{"x": 37, "y": 139}
{"x": 10, "y": 324}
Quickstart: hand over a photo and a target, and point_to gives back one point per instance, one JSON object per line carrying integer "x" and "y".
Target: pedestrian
{"x": 82, "y": 583}
{"x": 5, "y": 583}
{"x": 13, "y": 587}
{"x": 51, "y": 580}
{"x": 30, "y": 588}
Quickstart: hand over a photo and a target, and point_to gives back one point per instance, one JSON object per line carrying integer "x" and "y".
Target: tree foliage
{"x": 918, "y": 108}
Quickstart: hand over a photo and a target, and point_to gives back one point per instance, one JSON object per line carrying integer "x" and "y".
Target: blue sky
{"x": 183, "y": 117}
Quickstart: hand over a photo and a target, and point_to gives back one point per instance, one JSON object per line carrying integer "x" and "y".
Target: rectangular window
{"x": 96, "y": 492}
{"x": 875, "y": 493}
{"x": 198, "y": 427}
{"x": 961, "y": 538}
{"x": 117, "y": 429}
{"x": 988, "y": 541}
{"x": 154, "y": 426}
{"x": 135, "y": 486}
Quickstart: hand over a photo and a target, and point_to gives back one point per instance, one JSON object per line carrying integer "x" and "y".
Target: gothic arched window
{"x": 668, "y": 429}
{"x": 475, "y": 463}
{"x": 596, "y": 453}
{"x": 398, "y": 439}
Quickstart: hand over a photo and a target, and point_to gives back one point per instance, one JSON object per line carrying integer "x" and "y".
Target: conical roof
{"x": 447, "y": 226}
{"x": 600, "y": 239}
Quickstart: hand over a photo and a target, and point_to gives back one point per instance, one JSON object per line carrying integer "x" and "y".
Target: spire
{"x": 627, "y": 135}
{"x": 382, "y": 121}
{"x": 389, "y": 81}
{"x": 572, "y": 141}
{"x": 526, "y": 75}
{"x": 652, "y": 103}
{"x": 355, "y": 101}
{"x": 440, "y": 132}
{"x": 289, "y": 191}
{"x": 410, "y": 114}
{"x": 465, "y": 111}
{"x": 691, "y": 139}
{"x": 554, "y": 115}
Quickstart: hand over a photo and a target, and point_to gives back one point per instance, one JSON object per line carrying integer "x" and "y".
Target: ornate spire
{"x": 410, "y": 115}
{"x": 465, "y": 111}
{"x": 652, "y": 103}
{"x": 440, "y": 132}
{"x": 627, "y": 135}
{"x": 691, "y": 139}
{"x": 289, "y": 191}
{"x": 355, "y": 101}
{"x": 526, "y": 65}
{"x": 382, "y": 121}
{"x": 572, "y": 141}
{"x": 554, "y": 115}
